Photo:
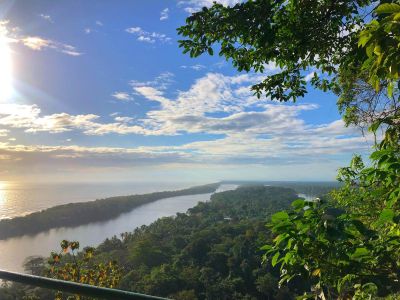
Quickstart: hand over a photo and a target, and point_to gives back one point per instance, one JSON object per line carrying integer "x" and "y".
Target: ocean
{"x": 19, "y": 199}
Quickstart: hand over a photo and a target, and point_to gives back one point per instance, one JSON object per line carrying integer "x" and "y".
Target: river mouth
{"x": 15, "y": 250}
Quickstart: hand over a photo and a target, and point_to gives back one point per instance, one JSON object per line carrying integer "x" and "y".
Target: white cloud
{"x": 151, "y": 93}
{"x": 123, "y": 119}
{"x": 122, "y": 96}
{"x": 218, "y": 104}
{"x": 161, "y": 82}
{"x": 309, "y": 76}
{"x": 89, "y": 30}
{"x": 48, "y": 159}
{"x": 134, "y": 30}
{"x": 29, "y": 117}
{"x": 192, "y": 6}
{"x": 4, "y": 132}
{"x": 148, "y": 37}
{"x": 37, "y": 43}
{"x": 46, "y": 17}
{"x": 196, "y": 67}
{"x": 250, "y": 130}
{"x": 164, "y": 14}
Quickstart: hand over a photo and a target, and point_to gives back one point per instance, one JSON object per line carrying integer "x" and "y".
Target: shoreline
{"x": 82, "y": 213}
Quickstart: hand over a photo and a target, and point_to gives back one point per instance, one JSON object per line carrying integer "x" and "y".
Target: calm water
{"x": 14, "y": 251}
{"x": 18, "y": 199}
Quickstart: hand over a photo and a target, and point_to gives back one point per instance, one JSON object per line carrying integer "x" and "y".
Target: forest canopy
{"x": 340, "y": 246}
{"x": 347, "y": 245}
{"x": 210, "y": 252}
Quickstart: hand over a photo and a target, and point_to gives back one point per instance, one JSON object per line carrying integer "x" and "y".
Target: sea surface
{"x": 14, "y": 251}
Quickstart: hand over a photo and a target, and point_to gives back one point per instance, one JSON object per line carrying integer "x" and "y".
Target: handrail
{"x": 74, "y": 288}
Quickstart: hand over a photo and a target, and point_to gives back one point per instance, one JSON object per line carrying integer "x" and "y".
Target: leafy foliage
{"x": 348, "y": 246}
{"x": 381, "y": 40}
{"x": 369, "y": 86}
{"x": 345, "y": 245}
{"x": 295, "y": 35}
{"x": 353, "y": 253}
{"x": 331, "y": 39}
{"x": 82, "y": 268}
{"x": 211, "y": 252}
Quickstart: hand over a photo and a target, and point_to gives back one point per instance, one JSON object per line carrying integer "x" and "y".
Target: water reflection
{"x": 15, "y": 250}
{"x": 21, "y": 198}
{"x": 4, "y": 186}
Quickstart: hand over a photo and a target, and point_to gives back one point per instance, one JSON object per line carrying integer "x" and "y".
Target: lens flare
{"x": 6, "y": 87}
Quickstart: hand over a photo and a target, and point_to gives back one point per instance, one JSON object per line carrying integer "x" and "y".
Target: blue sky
{"x": 99, "y": 90}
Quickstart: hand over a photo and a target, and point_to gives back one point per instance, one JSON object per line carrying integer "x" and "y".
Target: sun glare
{"x": 5, "y": 68}
{"x": 3, "y": 186}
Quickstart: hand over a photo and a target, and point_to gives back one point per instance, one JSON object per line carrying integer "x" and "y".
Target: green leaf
{"x": 386, "y": 215}
{"x": 64, "y": 244}
{"x": 376, "y": 155}
{"x": 279, "y": 217}
{"x": 374, "y": 126}
{"x": 299, "y": 203}
{"x": 390, "y": 89}
{"x": 266, "y": 247}
{"x": 378, "y": 50}
{"x": 388, "y": 8}
{"x": 364, "y": 39}
{"x": 275, "y": 258}
{"x": 360, "y": 253}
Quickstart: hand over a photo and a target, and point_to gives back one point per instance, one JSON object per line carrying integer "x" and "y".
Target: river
{"x": 14, "y": 251}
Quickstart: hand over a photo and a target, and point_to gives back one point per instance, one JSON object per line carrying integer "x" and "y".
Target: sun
{"x": 6, "y": 87}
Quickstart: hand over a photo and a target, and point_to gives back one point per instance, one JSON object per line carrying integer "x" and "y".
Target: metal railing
{"x": 74, "y": 288}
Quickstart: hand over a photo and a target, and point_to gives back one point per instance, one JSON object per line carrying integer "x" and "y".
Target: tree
{"x": 346, "y": 245}
{"x": 82, "y": 268}
{"x": 34, "y": 265}
{"x": 267, "y": 285}
{"x": 296, "y": 35}
{"x": 302, "y": 37}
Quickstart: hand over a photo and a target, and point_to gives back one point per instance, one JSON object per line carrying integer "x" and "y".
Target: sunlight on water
{"x": 4, "y": 199}
{"x": 14, "y": 201}
{"x": 21, "y": 198}
{"x": 15, "y": 250}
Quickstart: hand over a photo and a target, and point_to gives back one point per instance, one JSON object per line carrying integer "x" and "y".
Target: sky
{"x": 100, "y": 91}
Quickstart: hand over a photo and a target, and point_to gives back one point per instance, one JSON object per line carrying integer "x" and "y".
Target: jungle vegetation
{"x": 210, "y": 252}
{"x": 347, "y": 245}
{"x": 344, "y": 246}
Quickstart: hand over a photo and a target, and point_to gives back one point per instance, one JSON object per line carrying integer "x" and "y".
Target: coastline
{"x": 82, "y": 213}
